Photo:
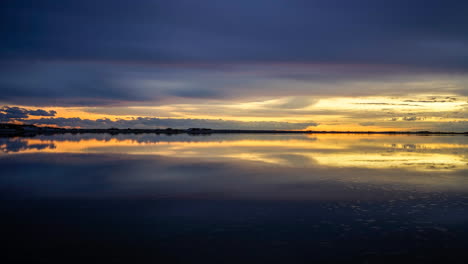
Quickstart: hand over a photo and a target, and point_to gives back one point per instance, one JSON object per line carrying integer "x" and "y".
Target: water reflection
{"x": 268, "y": 198}
{"x": 417, "y": 153}
{"x": 10, "y": 145}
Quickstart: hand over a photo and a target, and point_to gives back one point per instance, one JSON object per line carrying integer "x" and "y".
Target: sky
{"x": 361, "y": 65}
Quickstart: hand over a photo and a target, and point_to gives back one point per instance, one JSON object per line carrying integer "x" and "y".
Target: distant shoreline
{"x": 14, "y": 129}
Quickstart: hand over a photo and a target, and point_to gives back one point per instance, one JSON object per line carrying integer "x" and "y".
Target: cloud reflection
{"x": 233, "y": 166}
{"x": 417, "y": 153}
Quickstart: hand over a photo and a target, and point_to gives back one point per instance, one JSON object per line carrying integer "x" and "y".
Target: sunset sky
{"x": 362, "y": 65}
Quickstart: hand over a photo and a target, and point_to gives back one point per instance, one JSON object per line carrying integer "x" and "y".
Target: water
{"x": 234, "y": 198}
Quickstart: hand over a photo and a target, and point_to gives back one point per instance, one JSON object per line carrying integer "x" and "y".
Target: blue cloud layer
{"x": 362, "y": 31}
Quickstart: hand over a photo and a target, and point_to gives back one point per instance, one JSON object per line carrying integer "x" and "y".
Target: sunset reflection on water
{"x": 332, "y": 197}
{"x": 418, "y": 153}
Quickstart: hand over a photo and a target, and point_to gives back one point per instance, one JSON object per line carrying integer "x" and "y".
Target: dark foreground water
{"x": 234, "y": 199}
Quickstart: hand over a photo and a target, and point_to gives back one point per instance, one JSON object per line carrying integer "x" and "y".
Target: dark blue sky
{"x": 418, "y": 33}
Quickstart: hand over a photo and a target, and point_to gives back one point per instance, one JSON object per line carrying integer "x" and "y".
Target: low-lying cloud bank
{"x": 17, "y": 114}
{"x": 8, "y": 114}
{"x": 149, "y": 122}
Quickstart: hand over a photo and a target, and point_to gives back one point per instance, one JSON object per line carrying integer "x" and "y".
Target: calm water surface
{"x": 234, "y": 198}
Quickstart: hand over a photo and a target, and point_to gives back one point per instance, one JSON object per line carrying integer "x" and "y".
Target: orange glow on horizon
{"x": 360, "y": 114}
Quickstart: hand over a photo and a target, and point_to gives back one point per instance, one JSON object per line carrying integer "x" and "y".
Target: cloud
{"x": 8, "y": 114}
{"x": 409, "y": 117}
{"x": 151, "y": 123}
{"x": 83, "y": 53}
{"x": 367, "y": 123}
{"x": 412, "y": 118}
{"x": 40, "y": 112}
{"x": 13, "y": 112}
{"x": 121, "y": 84}
{"x": 65, "y": 84}
{"x": 189, "y": 93}
{"x": 18, "y": 114}
{"x": 453, "y": 126}
{"x": 434, "y": 99}
{"x": 384, "y": 104}
{"x": 365, "y": 31}
{"x": 297, "y": 103}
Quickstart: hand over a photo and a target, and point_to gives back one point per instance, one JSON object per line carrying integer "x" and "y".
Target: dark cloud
{"x": 40, "y": 112}
{"x": 367, "y": 123}
{"x": 13, "y": 112}
{"x": 65, "y": 84}
{"x": 362, "y": 31}
{"x": 434, "y": 99}
{"x": 412, "y": 118}
{"x": 386, "y": 104}
{"x": 189, "y": 93}
{"x": 408, "y": 118}
{"x": 8, "y": 114}
{"x": 103, "y": 84}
